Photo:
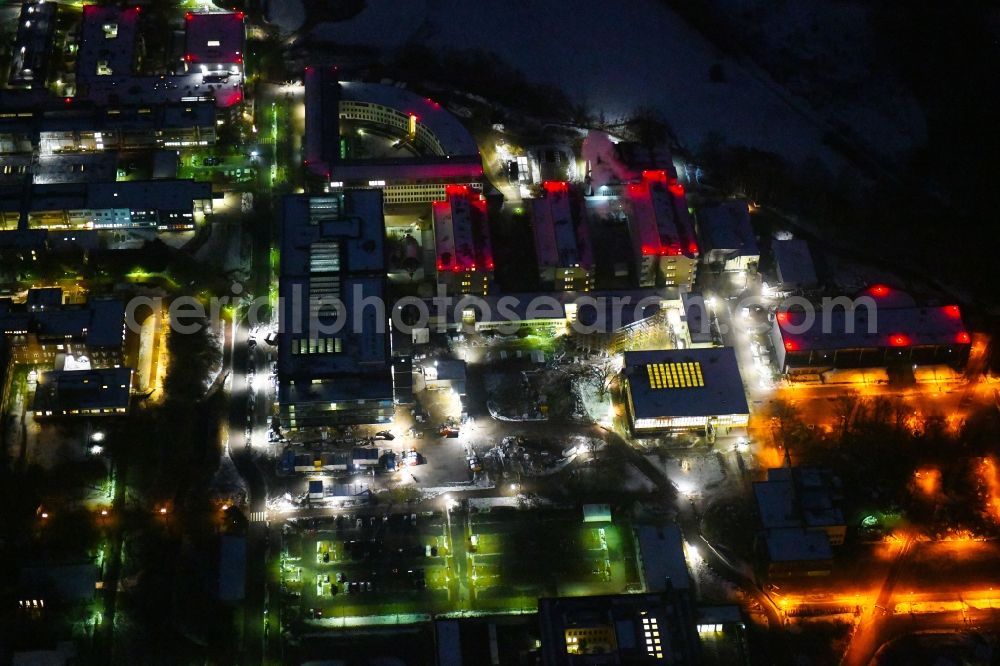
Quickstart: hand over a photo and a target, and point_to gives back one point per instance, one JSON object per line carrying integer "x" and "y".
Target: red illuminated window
{"x": 899, "y": 340}
{"x": 879, "y": 290}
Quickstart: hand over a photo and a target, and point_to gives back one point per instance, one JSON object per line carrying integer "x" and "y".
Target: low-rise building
{"x": 697, "y": 321}
{"x": 795, "y": 551}
{"x": 447, "y": 154}
{"x": 806, "y": 497}
{"x": 612, "y": 320}
{"x": 109, "y": 54}
{"x": 43, "y": 329}
{"x": 158, "y": 205}
{"x": 214, "y": 43}
{"x": 562, "y": 240}
{"x": 684, "y": 389}
{"x": 95, "y": 392}
{"x": 727, "y": 238}
{"x": 29, "y": 57}
{"x": 794, "y": 269}
{"x": 662, "y": 557}
{"x": 445, "y": 374}
{"x": 462, "y": 237}
{"x": 70, "y": 134}
{"x": 663, "y": 239}
{"x": 619, "y": 629}
{"x": 883, "y": 329}
{"x": 365, "y": 457}
{"x": 801, "y": 520}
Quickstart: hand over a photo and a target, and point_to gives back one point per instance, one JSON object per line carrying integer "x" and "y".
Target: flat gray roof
{"x": 165, "y": 194}
{"x": 719, "y": 391}
{"x": 333, "y": 246}
{"x": 61, "y": 391}
{"x": 794, "y": 544}
{"x": 794, "y": 263}
{"x": 662, "y": 551}
{"x": 214, "y": 37}
{"x": 803, "y": 496}
{"x": 107, "y": 38}
{"x": 696, "y": 316}
{"x": 30, "y": 52}
{"x": 100, "y": 322}
{"x": 74, "y": 168}
{"x": 890, "y": 327}
{"x": 726, "y": 228}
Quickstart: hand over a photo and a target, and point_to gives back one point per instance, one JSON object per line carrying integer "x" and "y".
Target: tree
{"x": 193, "y": 357}
{"x": 605, "y": 373}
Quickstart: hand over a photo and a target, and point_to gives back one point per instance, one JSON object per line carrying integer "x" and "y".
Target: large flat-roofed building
{"x": 43, "y": 328}
{"x": 806, "y": 497}
{"x": 879, "y": 332}
{"x": 619, "y": 629}
{"x": 107, "y": 61}
{"x": 612, "y": 320}
{"x": 663, "y": 240}
{"x": 727, "y": 238}
{"x": 796, "y": 551}
{"x": 794, "y": 269}
{"x": 158, "y": 205}
{"x": 446, "y": 152}
{"x": 684, "y": 389}
{"x": 97, "y": 392}
{"x": 333, "y": 268}
{"x": 214, "y": 42}
{"x": 562, "y": 240}
{"x": 462, "y": 238}
{"x": 108, "y": 41}
{"x": 662, "y": 557}
{"x": 29, "y": 57}
{"x": 50, "y": 129}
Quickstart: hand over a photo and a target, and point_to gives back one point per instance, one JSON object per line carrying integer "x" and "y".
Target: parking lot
{"x": 518, "y": 556}
{"x": 371, "y": 565}
{"x": 435, "y": 562}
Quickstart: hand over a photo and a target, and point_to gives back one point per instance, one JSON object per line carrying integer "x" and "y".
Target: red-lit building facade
{"x": 562, "y": 240}
{"x": 883, "y": 328}
{"x": 214, "y": 43}
{"x": 462, "y": 242}
{"x": 663, "y": 237}
{"x": 110, "y": 69}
